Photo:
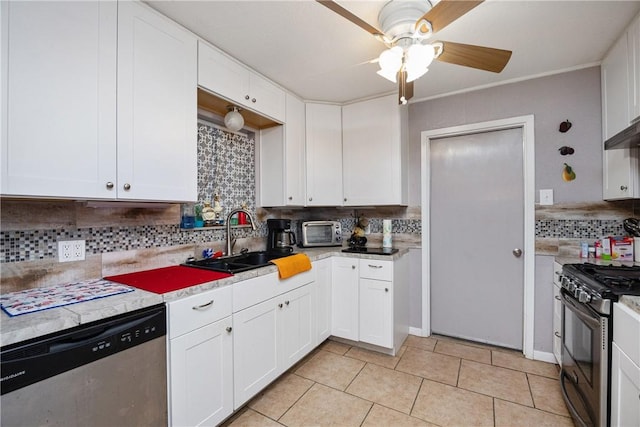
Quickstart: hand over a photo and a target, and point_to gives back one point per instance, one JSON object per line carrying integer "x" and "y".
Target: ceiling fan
{"x": 406, "y": 27}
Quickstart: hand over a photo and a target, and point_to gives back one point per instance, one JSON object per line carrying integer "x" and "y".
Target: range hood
{"x": 628, "y": 138}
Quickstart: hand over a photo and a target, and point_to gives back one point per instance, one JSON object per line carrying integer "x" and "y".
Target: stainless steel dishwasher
{"x": 111, "y": 372}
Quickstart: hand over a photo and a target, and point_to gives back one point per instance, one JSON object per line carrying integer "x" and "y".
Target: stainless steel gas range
{"x": 588, "y": 293}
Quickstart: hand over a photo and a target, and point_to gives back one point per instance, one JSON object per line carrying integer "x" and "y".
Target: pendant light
{"x": 233, "y": 120}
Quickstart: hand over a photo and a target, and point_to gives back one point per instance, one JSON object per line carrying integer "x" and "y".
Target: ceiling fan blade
{"x": 335, "y": 7}
{"x": 405, "y": 89}
{"x": 480, "y": 57}
{"x": 445, "y": 12}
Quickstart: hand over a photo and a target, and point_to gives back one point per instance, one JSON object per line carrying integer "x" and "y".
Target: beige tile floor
{"x": 432, "y": 381}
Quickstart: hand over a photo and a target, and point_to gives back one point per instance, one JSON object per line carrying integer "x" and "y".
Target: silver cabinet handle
{"x": 623, "y": 187}
{"x": 557, "y": 334}
{"x": 557, "y": 297}
{"x": 286, "y": 302}
{"x": 127, "y": 186}
{"x": 229, "y": 329}
{"x": 109, "y": 185}
{"x": 253, "y": 100}
{"x": 280, "y": 305}
{"x": 246, "y": 97}
{"x": 310, "y": 198}
{"x": 203, "y": 306}
{"x": 374, "y": 266}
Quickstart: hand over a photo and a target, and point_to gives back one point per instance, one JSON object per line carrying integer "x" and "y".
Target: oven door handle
{"x": 590, "y": 317}
{"x": 565, "y": 395}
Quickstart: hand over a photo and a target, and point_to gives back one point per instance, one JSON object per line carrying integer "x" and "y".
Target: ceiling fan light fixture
{"x": 233, "y": 120}
{"x": 390, "y": 62}
{"x": 417, "y": 60}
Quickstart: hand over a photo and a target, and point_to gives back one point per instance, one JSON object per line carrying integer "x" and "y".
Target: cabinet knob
{"x": 557, "y": 297}
{"x": 203, "y": 306}
{"x": 290, "y": 198}
{"x": 286, "y": 302}
{"x": 229, "y": 329}
{"x": 246, "y": 97}
{"x": 345, "y": 199}
{"x": 109, "y": 185}
{"x": 353, "y": 267}
{"x": 386, "y": 289}
{"x": 310, "y": 198}
{"x": 280, "y": 305}
{"x": 253, "y": 100}
{"x": 557, "y": 334}
{"x": 127, "y": 186}
{"x": 623, "y": 187}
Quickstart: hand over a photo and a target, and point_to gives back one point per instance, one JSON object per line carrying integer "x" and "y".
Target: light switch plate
{"x": 546, "y": 197}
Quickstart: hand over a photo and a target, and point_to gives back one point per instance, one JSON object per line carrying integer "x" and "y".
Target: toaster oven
{"x": 319, "y": 233}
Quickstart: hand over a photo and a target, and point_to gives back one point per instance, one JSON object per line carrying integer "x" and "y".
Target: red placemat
{"x": 168, "y": 279}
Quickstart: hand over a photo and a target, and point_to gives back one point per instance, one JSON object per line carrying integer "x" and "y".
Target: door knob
{"x": 517, "y": 252}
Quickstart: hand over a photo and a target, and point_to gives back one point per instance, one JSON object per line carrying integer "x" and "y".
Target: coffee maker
{"x": 280, "y": 238}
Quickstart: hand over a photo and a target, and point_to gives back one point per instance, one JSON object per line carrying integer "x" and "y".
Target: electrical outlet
{"x": 71, "y": 250}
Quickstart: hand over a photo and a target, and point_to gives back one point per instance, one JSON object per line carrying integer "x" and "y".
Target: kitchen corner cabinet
{"x": 69, "y": 69}
{"x": 625, "y": 367}
{"x": 228, "y": 78}
{"x": 282, "y": 159}
{"x": 200, "y": 359}
{"x": 557, "y": 313}
{"x": 323, "y": 126}
{"x": 621, "y": 174}
{"x": 374, "y": 152}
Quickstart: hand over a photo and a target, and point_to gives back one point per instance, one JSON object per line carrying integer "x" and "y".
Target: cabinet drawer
{"x": 190, "y": 313}
{"x": 626, "y": 330}
{"x": 377, "y": 270}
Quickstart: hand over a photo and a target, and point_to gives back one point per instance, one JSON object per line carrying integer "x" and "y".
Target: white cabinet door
{"x": 373, "y": 148}
{"x": 620, "y": 167}
{"x": 282, "y": 159}
{"x": 625, "y": 389}
{"x": 265, "y": 97}
{"x": 376, "y": 312}
{"x": 633, "y": 64}
{"x": 295, "y": 326}
{"x": 59, "y": 112}
{"x": 157, "y": 107}
{"x": 323, "y": 299}
{"x": 344, "y": 298}
{"x": 324, "y": 154}
{"x": 201, "y": 380}
{"x": 557, "y": 313}
{"x": 221, "y": 74}
{"x": 254, "y": 349}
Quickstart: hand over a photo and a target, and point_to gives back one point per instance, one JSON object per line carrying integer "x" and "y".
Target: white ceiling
{"x": 320, "y": 56}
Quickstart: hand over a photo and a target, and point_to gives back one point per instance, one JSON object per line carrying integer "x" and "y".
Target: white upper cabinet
{"x": 157, "y": 107}
{"x": 282, "y": 159}
{"x": 60, "y": 138}
{"x": 633, "y": 65}
{"x": 620, "y": 166}
{"x": 59, "y": 112}
{"x": 228, "y": 78}
{"x": 324, "y": 155}
{"x": 374, "y": 152}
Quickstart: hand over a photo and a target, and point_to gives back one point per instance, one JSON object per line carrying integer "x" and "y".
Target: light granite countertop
{"x": 633, "y": 302}
{"x": 33, "y": 325}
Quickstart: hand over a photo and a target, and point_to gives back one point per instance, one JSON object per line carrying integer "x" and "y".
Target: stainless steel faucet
{"x": 231, "y": 241}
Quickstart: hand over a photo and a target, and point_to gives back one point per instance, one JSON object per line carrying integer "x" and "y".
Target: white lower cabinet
{"x": 323, "y": 299}
{"x": 201, "y": 359}
{"x": 625, "y": 367}
{"x": 557, "y": 313}
{"x": 370, "y": 301}
{"x": 270, "y": 335}
{"x": 344, "y": 298}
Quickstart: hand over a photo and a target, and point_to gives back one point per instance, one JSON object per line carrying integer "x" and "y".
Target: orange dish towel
{"x": 291, "y": 265}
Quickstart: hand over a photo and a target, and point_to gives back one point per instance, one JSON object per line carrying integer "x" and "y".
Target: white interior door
{"x": 476, "y": 231}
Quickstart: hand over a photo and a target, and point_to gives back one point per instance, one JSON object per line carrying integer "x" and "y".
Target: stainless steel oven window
{"x": 319, "y": 233}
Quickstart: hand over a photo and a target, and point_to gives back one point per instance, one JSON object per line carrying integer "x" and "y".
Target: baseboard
{"x": 544, "y": 356}
{"x": 418, "y": 332}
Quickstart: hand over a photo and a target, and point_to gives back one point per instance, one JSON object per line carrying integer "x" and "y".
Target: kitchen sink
{"x": 236, "y": 263}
